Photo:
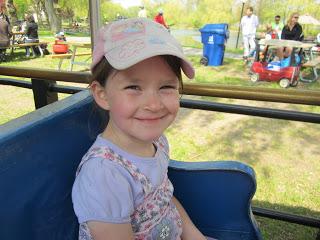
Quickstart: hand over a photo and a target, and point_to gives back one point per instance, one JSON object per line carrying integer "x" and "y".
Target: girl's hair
{"x": 103, "y": 69}
{"x": 289, "y": 22}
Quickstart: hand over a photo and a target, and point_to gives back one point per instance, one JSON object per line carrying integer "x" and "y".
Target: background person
{"x": 277, "y": 26}
{"x": 142, "y": 12}
{"x": 291, "y": 31}
{"x": 122, "y": 190}
{"x": 5, "y": 35}
{"x": 31, "y": 33}
{"x": 24, "y": 23}
{"x": 159, "y": 18}
{"x": 249, "y": 24}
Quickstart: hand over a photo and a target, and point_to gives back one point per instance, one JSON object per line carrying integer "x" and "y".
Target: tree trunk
{"x": 37, "y": 8}
{"x": 12, "y": 11}
{"x": 53, "y": 18}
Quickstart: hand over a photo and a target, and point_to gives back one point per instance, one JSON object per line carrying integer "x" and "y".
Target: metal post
{"x": 239, "y": 24}
{"x": 41, "y": 94}
{"x": 95, "y": 19}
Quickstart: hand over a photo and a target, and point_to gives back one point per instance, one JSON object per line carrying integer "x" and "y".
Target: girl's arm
{"x": 110, "y": 231}
{"x": 189, "y": 230}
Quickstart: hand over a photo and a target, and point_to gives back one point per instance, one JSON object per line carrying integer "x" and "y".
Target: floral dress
{"x": 156, "y": 217}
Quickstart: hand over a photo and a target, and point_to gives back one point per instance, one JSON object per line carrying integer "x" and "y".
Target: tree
{"x": 53, "y": 18}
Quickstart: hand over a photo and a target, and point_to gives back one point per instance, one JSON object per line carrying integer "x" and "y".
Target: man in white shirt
{"x": 249, "y": 24}
{"x": 142, "y": 12}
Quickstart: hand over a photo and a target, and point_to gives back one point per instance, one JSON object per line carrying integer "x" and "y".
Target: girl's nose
{"x": 153, "y": 102}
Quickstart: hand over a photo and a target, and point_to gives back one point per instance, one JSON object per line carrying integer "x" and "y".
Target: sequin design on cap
{"x": 122, "y": 33}
{"x": 126, "y": 30}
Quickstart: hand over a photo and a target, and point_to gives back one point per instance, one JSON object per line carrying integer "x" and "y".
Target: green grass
{"x": 284, "y": 154}
{"x": 73, "y": 33}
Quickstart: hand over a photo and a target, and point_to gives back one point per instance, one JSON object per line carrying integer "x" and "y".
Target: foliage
{"x": 22, "y": 7}
{"x": 186, "y": 13}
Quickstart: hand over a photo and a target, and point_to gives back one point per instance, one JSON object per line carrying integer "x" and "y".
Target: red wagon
{"x": 286, "y": 71}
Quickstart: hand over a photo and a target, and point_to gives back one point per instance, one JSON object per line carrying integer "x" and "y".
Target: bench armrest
{"x": 217, "y": 196}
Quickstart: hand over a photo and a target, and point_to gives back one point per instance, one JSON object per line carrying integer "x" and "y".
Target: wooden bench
{"x": 313, "y": 64}
{"x": 39, "y": 155}
{"x": 23, "y": 45}
{"x": 70, "y": 56}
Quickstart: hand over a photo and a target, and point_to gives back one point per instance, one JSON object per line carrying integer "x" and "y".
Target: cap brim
{"x": 186, "y": 65}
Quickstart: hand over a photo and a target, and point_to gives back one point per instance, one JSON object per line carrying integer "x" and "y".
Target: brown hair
{"x": 250, "y": 8}
{"x": 289, "y": 22}
{"x": 103, "y": 69}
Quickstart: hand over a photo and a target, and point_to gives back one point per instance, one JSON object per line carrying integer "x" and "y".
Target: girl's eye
{"x": 169, "y": 87}
{"x": 133, "y": 87}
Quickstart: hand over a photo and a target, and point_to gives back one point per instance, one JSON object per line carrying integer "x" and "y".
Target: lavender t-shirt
{"x": 105, "y": 191}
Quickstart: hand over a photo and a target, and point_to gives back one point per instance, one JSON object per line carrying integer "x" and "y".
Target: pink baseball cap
{"x": 126, "y": 42}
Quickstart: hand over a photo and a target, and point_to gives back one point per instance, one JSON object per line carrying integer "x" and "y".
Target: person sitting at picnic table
{"x": 24, "y": 23}
{"x": 5, "y": 35}
{"x": 31, "y": 33}
{"x": 291, "y": 31}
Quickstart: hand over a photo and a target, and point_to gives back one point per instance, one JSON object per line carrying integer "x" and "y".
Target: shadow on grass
{"x": 18, "y": 56}
{"x": 280, "y": 230}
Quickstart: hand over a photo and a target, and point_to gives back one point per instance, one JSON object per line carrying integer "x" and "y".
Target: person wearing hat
{"x": 159, "y": 18}
{"x": 122, "y": 190}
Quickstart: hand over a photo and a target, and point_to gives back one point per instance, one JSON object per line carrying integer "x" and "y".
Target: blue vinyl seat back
{"x": 217, "y": 196}
{"x": 39, "y": 154}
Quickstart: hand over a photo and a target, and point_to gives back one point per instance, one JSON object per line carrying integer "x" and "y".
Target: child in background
{"x": 60, "y": 45}
{"x": 60, "y": 37}
{"x": 122, "y": 190}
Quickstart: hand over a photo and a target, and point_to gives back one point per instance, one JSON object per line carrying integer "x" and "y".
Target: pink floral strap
{"x": 109, "y": 154}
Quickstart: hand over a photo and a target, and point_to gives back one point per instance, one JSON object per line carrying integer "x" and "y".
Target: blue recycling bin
{"x": 214, "y": 37}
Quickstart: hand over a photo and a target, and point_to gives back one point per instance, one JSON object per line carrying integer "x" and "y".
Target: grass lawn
{"x": 284, "y": 154}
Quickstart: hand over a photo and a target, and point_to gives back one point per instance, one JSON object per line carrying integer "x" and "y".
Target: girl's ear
{"x": 100, "y": 95}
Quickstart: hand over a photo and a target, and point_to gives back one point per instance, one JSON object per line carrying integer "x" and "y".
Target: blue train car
{"x": 39, "y": 154}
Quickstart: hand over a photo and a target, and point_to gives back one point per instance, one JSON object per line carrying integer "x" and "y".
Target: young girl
{"x": 122, "y": 190}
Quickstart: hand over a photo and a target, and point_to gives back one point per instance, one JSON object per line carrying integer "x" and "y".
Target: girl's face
{"x": 142, "y": 100}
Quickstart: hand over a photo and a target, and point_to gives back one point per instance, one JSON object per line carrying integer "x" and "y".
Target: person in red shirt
{"x": 160, "y": 19}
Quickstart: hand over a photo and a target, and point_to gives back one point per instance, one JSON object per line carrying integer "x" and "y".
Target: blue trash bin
{"x": 214, "y": 37}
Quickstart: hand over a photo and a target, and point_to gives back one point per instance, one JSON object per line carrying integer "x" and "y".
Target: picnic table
{"x": 75, "y": 46}
{"x": 74, "y": 53}
{"x": 23, "y": 45}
